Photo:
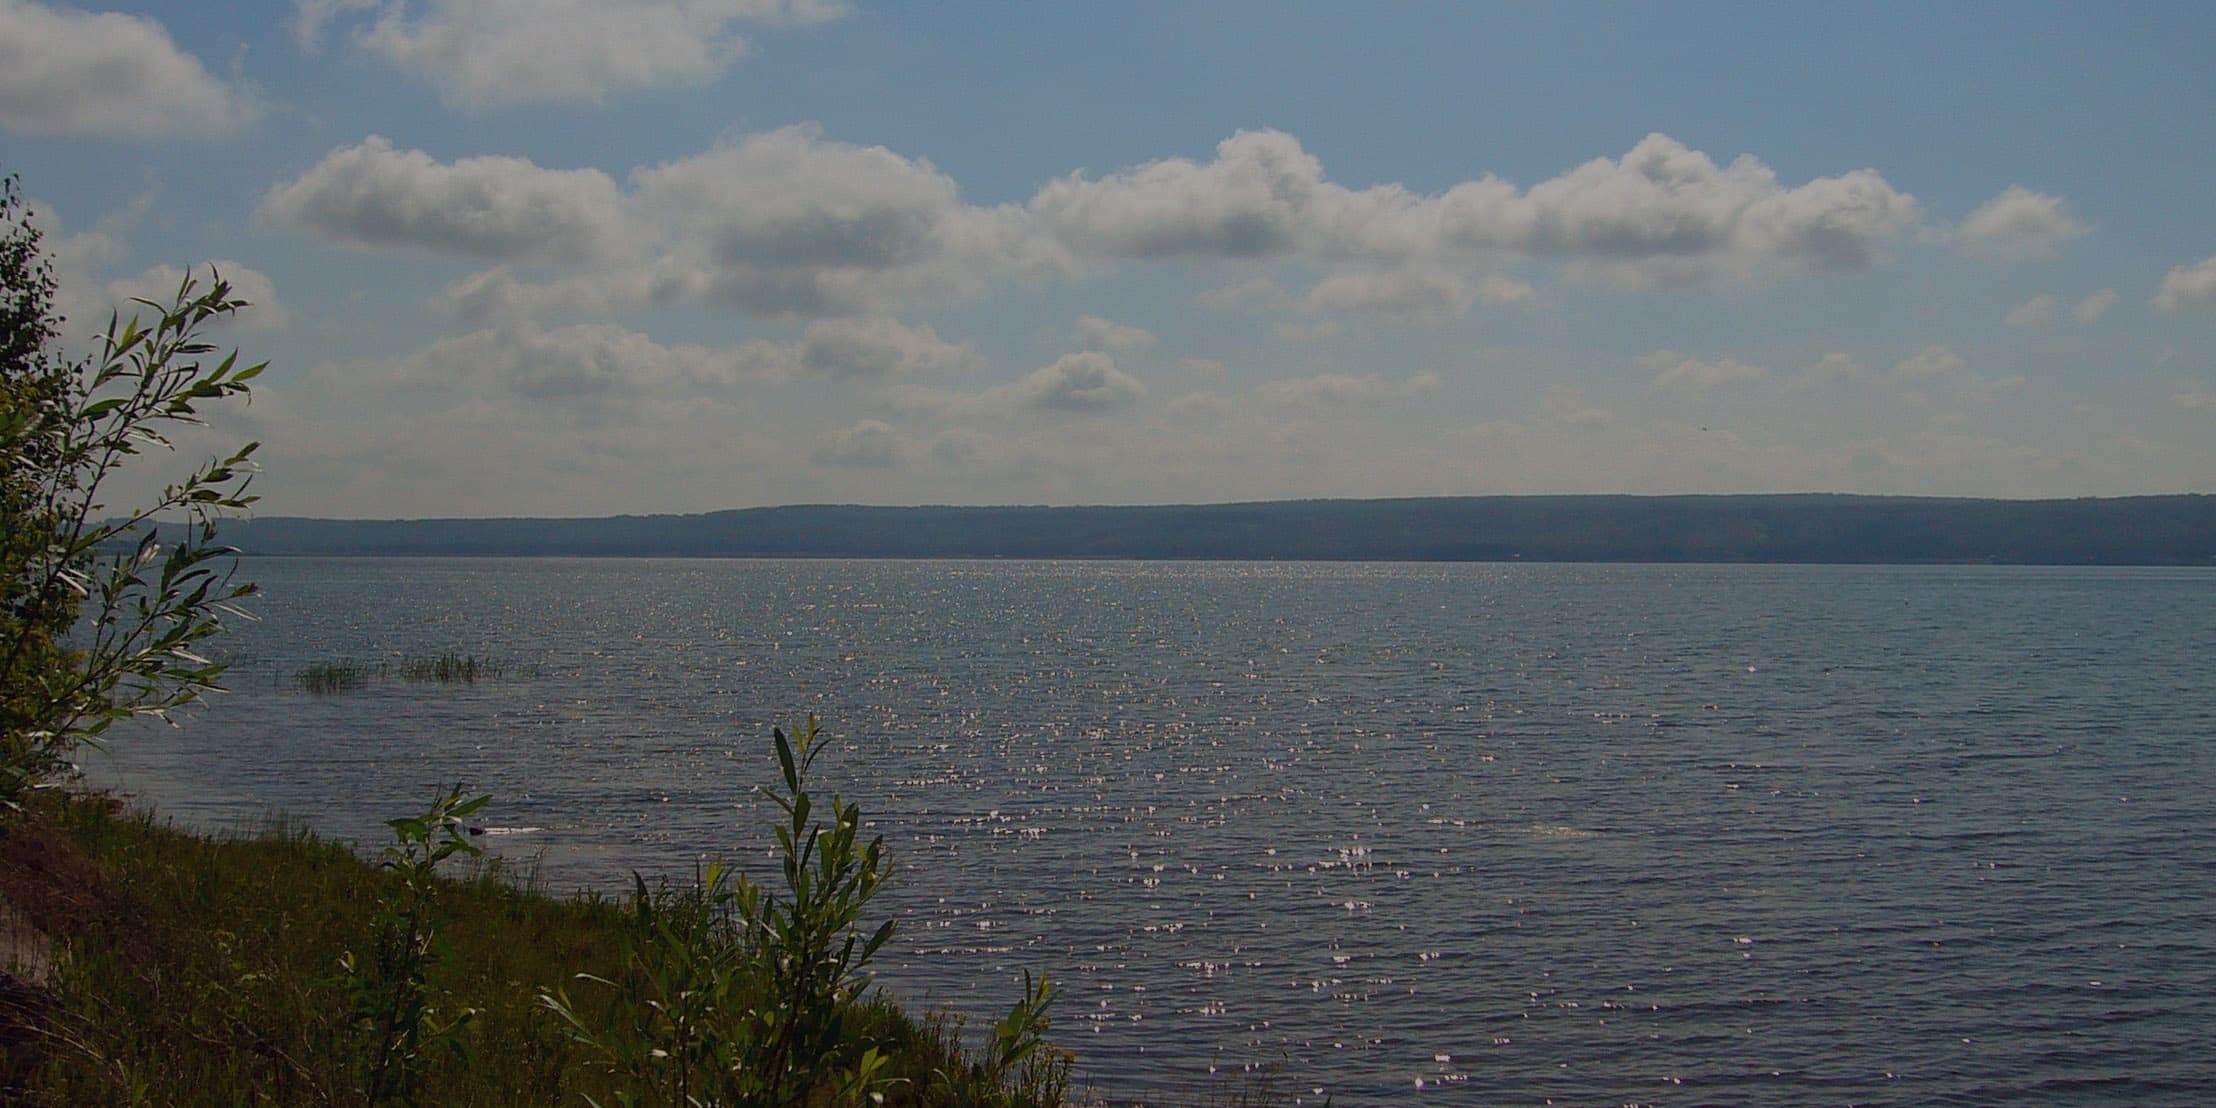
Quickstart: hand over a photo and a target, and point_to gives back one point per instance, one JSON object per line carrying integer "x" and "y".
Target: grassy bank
{"x": 256, "y": 968}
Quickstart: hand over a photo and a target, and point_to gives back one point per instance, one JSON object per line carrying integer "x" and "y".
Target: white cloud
{"x": 865, "y": 444}
{"x": 159, "y": 285}
{"x": 1100, "y": 334}
{"x": 1667, "y": 203}
{"x": 1407, "y": 293}
{"x": 79, "y": 297}
{"x": 1257, "y": 199}
{"x": 2043, "y": 308}
{"x": 493, "y": 53}
{"x": 1835, "y": 366}
{"x": 585, "y": 365}
{"x": 2191, "y": 286}
{"x": 2092, "y": 308}
{"x": 1677, "y": 372}
{"x": 310, "y": 17}
{"x": 788, "y": 223}
{"x": 1567, "y": 405}
{"x": 1931, "y": 361}
{"x": 2021, "y": 225}
{"x": 2198, "y": 401}
{"x": 1087, "y": 381}
{"x": 605, "y": 372}
{"x": 65, "y": 71}
{"x": 1084, "y": 382}
{"x": 2033, "y": 312}
{"x": 877, "y": 346}
{"x": 1662, "y": 214}
{"x": 783, "y": 223}
{"x": 497, "y": 208}
{"x": 1330, "y": 390}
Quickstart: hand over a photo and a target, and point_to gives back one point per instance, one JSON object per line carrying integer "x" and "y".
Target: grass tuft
{"x": 325, "y": 678}
{"x": 450, "y": 669}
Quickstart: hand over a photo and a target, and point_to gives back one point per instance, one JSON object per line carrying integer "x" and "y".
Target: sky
{"x": 593, "y": 257}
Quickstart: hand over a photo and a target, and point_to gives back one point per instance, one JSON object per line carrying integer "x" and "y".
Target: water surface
{"x": 1472, "y": 833}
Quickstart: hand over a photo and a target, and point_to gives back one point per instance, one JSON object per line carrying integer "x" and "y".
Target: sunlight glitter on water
{"x": 1507, "y": 832}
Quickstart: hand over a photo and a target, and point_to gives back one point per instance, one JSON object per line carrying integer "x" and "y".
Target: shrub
{"x": 102, "y": 616}
{"x": 734, "y": 994}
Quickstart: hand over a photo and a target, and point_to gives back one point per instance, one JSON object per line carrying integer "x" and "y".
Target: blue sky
{"x": 555, "y": 257}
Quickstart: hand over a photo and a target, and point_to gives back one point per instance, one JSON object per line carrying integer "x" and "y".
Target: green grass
{"x": 206, "y": 970}
{"x": 325, "y": 678}
{"x": 450, "y": 669}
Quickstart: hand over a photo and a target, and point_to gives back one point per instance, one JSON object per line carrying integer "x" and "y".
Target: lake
{"x": 1484, "y": 834}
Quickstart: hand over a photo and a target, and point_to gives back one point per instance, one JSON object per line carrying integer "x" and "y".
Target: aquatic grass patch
{"x": 450, "y": 669}
{"x": 325, "y": 678}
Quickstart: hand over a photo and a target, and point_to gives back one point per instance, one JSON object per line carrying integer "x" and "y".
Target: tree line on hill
{"x": 1791, "y": 528}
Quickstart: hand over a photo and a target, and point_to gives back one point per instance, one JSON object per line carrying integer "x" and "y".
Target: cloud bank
{"x": 790, "y": 223}
{"x": 483, "y": 54}
{"x": 64, "y": 71}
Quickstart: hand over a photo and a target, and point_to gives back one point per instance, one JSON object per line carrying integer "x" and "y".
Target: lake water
{"x": 1458, "y": 833}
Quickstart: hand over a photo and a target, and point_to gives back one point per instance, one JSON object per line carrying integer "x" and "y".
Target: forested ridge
{"x": 2143, "y": 530}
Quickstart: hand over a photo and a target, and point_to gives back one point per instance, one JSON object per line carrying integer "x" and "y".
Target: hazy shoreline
{"x": 1769, "y": 529}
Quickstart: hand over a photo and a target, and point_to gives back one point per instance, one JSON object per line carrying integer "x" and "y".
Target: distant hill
{"x": 2144, "y": 530}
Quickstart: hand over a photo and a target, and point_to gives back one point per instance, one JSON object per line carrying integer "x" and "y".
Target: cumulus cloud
{"x": 496, "y": 208}
{"x": 1566, "y": 405}
{"x": 1931, "y": 361}
{"x": 1254, "y": 200}
{"x": 1662, "y": 214}
{"x": 865, "y": 444}
{"x": 2044, "y": 308}
{"x": 599, "y": 363}
{"x": 879, "y": 346}
{"x": 1100, "y": 334}
{"x": 1331, "y": 390}
{"x": 2192, "y": 286}
{"x": 789, "y": 223}
{"x": 159, "y": 284}
{"x": 1083, "y": 382}
{"x": 783, "y": 223}
{"x": 1835, "y": 366}
{"x": 2020, "y": 225}
{"x": 605, "y": 371}
{"x": 2037, "y": 310}
{"x": 64, "y": 71}
{"x": 2092, "y": 308}
{"x": 1410, "y": 294}
{"x": 1677, "y": 372}
{"x": 492, "y": 53}
{"x": 76, "y": 258}
{"x": 87, "y": 299}
{"x": 310, "y": 17}
{"x": 1667, "y": 202}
